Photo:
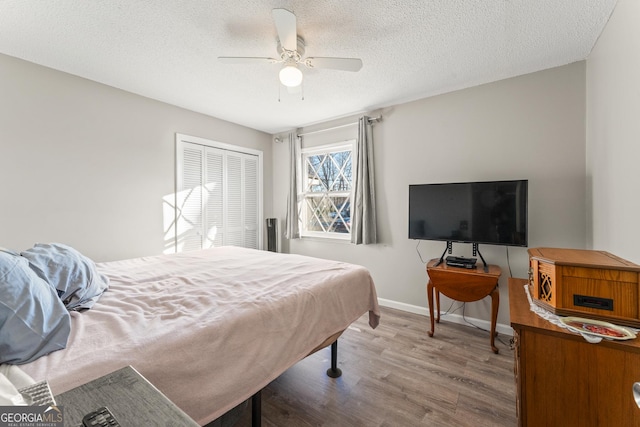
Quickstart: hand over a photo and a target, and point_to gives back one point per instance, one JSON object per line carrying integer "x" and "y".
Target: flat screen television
{"x": 493, "y": 212}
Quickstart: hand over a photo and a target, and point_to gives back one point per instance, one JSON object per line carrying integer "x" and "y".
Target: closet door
{"x": 213, "y": 200}
{"x": 218, "y": 200}
{"x": 251, "y": 202}
{"x": 189, "y": 199}
{"x": 242, "y": 200}
{"x": 234, "y": 200}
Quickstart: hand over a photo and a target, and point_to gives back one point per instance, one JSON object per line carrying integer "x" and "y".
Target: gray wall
{"x": 613, "y": 135}
{"x": 530, "y": 127}
{"x": 88, "y": 165}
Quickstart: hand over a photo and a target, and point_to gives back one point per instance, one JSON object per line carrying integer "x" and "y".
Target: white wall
{"x": 88, "y": 165}
{"x": 530, "y": 127}
{"x": 613, "y": 135}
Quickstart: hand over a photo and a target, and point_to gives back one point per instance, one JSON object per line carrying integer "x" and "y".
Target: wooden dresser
{"x": 562, "y": 380}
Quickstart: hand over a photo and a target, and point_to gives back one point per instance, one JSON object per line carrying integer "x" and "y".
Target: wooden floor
{"x": 396, "y": 375}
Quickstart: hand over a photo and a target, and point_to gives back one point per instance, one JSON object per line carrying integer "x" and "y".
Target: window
{"x": 327, "y": 190}
{"x": 219, "y": 195}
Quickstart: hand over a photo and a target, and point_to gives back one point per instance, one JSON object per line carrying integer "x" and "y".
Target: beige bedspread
{"x": 210, "y": 328}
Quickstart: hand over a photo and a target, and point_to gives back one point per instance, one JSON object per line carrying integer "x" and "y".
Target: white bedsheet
{"x": 209, "y": 328}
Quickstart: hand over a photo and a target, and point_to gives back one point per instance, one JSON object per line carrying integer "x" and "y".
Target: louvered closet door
{"x": 189, "y": 199}
{"x": 218, "y": 199}
{"x": 251, "y": 199}
{"x": 234, "y": 200}
{"x": 213, "y": 203}
{"x": 242, "y": 200}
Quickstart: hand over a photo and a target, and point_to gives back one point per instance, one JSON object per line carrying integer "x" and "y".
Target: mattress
{"x": 209, "y": 328}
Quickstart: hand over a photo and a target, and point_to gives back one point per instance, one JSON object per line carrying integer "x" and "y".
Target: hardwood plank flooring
{"x": 396, "y": 375}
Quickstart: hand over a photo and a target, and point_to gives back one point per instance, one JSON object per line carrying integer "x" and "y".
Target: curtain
{"x": 292, "y": 223}
{"x": 363, "y": 206}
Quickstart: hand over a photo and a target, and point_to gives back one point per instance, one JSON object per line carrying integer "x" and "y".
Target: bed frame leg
{"x": 256, "y": 409}
{"x": 256, "y": 399}
{"x": 334, "y": 371}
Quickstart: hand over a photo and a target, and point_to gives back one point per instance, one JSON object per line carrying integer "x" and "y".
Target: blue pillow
{"x": 72, "y": 274}
{"x": 33, "y": 320}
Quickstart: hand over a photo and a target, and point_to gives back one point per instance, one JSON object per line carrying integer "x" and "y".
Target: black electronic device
{"x": 272, "y": 234}
{"x": 461, "y": 262}
{"x": 101, "y": 417}
{"x": 491, "y": 212}
{"x": 461, "y": 265}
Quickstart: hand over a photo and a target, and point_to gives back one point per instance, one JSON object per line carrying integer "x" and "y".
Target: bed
{"x": 210, "y": 328}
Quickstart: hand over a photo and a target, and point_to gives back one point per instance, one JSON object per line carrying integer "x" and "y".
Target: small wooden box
{"x": 594, "y": 284}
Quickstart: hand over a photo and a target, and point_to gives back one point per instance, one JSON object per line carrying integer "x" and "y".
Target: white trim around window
{"x": 326, "y": 205}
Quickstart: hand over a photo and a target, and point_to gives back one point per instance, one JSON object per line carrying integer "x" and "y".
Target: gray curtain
{"x": 363, "y": 206}
{"x": 292, "y": 223}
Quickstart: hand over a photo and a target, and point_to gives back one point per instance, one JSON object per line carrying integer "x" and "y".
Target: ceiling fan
{"x": 291, "y": 50}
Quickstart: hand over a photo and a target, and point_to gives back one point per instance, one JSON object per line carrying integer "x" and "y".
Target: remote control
{"x": 101, "y": 417}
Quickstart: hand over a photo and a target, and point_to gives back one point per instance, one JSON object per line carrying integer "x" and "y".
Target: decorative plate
{"x": 597, "y": 328}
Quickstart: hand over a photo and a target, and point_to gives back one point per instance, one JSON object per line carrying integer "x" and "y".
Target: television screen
{"x": 492, "y": 213}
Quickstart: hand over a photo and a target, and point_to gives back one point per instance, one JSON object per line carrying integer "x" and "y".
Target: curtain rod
{"x": 371, "y": 120}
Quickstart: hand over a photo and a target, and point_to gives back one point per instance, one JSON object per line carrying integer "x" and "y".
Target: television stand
{"x": 461, "y": 261}
{"x": 476, "y": 250}
{"x": 449, "y": 249}
{"x": 465, "y": 285}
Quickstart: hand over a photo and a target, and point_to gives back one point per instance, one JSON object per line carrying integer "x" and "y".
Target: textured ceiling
{"x": 167, "y": 50}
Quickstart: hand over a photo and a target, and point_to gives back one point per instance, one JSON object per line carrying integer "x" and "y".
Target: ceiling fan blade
{"x": 345, "y": 64}
{"x": 245, "y": 60}
{"x": 285, "y": 23}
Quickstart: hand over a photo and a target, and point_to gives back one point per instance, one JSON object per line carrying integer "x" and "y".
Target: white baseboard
{"x": 451, "y": 317}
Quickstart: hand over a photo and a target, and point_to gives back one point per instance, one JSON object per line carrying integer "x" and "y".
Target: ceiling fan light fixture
{"x": 290, "y": 75}
{"x": 291, "y": 53}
